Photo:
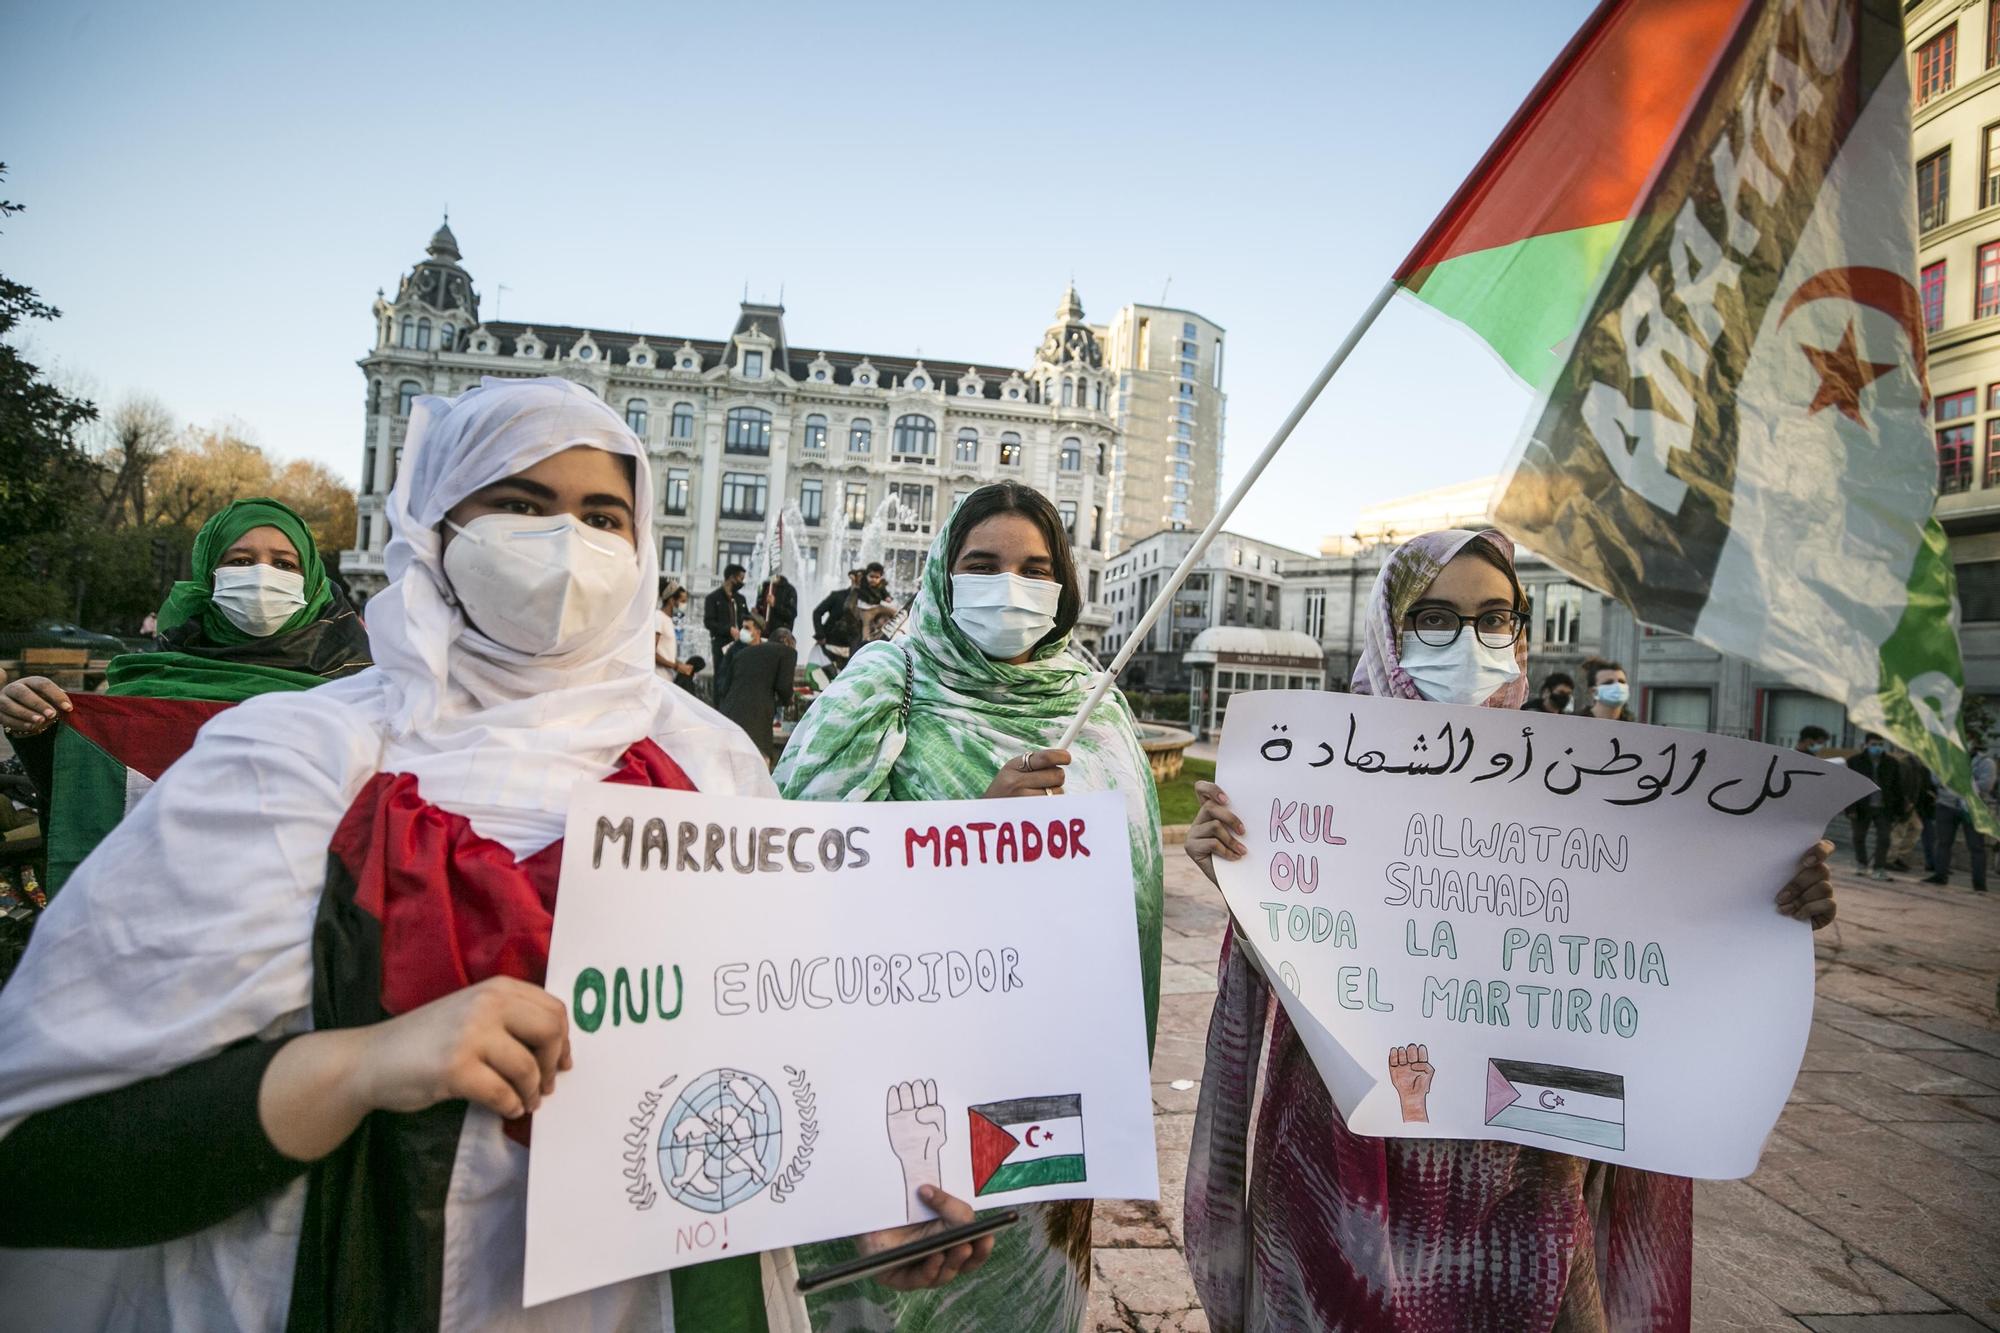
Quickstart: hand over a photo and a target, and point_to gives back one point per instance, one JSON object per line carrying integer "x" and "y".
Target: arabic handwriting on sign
{"x": 1767, "y": 791}
{"x": 1281, "y": 744}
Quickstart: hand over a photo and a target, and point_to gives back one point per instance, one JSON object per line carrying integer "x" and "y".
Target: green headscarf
{"x": 928, "y": 716}
{"x": 205, "y": 656}
{"x": 193, "y": 599}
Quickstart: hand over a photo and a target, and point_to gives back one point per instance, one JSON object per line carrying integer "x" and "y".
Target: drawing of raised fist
{"x": 916, "y": 1136}
{"x": 1410, "y": 1070}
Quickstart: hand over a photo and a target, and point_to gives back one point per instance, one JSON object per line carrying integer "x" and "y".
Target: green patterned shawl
{"x": 927, "y": 716}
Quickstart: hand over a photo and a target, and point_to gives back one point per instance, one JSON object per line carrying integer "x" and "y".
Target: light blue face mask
{"x": 1614, "y": 693}
{"x": 1464, "y": 671}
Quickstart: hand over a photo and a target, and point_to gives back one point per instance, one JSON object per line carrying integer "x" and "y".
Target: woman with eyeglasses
{"x": 1293, "y": 1220}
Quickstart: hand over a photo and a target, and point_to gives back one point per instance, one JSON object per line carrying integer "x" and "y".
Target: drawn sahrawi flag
{"x": 1697, "y": 242}
{"x": 108, "y": 752}
{"x": 1581, "y": 1105}
{"x": 1026, "y": 1142}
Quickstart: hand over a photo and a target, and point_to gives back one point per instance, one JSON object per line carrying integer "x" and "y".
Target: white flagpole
{"x": 1228, "y": 507}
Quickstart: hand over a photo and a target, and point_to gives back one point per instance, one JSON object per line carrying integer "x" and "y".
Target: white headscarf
{"x": 489, "y": 732}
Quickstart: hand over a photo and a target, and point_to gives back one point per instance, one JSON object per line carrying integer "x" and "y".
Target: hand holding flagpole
{"x": 1222, "y": 513}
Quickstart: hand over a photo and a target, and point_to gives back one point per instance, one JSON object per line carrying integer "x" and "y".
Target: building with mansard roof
{"x": 1120, "y": 425}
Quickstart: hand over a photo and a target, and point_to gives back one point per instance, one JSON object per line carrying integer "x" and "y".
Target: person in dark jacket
{"x": 835, "y": 628}
{"x": 760, "y": 683}
{"x": 1557, "y": 691}
{"x": 1880, "y": 810}
{"x": 778, "y": 604}
{"x": 723, "y": 611}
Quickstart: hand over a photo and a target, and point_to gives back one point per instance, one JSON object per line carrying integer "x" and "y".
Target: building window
{"x": 683, "y": 428}
{"x": 445, "y": 337}
{"x": 1989, "y": 281}
{"x": 1103, "y": 452}
{"x": 854, "y": 504}
{"x": 1071, "y": 458}
{"x": 1187, "y": 370}
{"x": 406, "y": 396}
{"x": 1685, "y": 708}
{"x": 860, "y": 437}
{"x": 367, "y": 530}
{"x": 409, "y": 333}
{"x": 673, "y": 555}
{"x": 811, "y": 501}
{"x": 1183, "y": 450}
{"x": 734, "y": 551}
{"x": 1937, "y": 65}
{"x": 1186, "y": 410}
{"x": 1932, "y": 282}
{"x": 1178, "y": 490}
{"x": 1187, "y": 390}
{"x": 816, "y": 432}
{"x": 586, "y": 353}
{"x": 1952, "y": 406}
{"x": 967, "y": 448}
{"x": 1562, "y": 613}
{"x": 1954, "y": 449}
{"x": 1990, "y": 477}
{"x": 368, "y": 475}
{"x": 1068, "y": 511}
{"x": 753, "y": 365}
{"x": 1989, "y": 165}
{"x": 395, "y": 465}
{"x": 1216, "y": 372}
{"x": 1010, "y": 449}
{"x": 635, "y": 416}
{"x": 1096, "y": 528}
{"x": 1315, "y": 625}
{"x": 423, "y": 335}
{"x": 1934, "y": 190}
{"x": 914, "y": 505}
{"x": 915, "y": 439}
{"x": 677, "y": 491}
{"x": 744, "y": 494}
{"x": 748, "y": 431}
{"x": 1188, "y": 331}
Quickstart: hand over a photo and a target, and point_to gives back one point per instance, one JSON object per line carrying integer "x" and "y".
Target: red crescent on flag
{"x": 1885, "y": 290}
{"x": 1029, "y": 1137}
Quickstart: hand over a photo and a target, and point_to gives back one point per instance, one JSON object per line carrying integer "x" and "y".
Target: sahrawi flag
{"x": 109, "y": 750}
{"x": 1697, "y": 243}
{"x": 1026, "y": 1142}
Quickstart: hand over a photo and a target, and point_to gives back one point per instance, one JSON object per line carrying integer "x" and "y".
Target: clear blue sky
{"x": 216, "y": 191}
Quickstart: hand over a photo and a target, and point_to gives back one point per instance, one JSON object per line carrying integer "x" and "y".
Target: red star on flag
{"x": 1842, "y": 375}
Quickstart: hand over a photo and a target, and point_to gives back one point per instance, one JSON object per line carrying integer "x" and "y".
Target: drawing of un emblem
{"x": 722, "y": 1140}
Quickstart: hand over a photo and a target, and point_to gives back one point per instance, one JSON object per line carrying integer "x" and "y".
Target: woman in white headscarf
{"x": 280, "y": 1035}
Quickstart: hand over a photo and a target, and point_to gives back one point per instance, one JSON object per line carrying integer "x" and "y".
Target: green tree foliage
{"x": 46, "y": 486}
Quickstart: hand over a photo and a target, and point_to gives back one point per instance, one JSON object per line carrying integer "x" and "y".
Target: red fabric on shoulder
{"x": 456, "y": 908}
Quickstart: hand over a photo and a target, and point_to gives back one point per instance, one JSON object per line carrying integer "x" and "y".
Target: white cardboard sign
{"x": 787, "y": 1016}
{"x": 1548, "y": 930}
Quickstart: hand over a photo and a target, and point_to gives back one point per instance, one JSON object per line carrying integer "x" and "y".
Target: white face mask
{"x": 1004, "y": 614}
{"x": 539, "y": 584}
{"x": 1613, "y": 693}
{"x": 1464, "y": 671}
{"x": 745, "y": 636}
{"x": 258, "y": 599}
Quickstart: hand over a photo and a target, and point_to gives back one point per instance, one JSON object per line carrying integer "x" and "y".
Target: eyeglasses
{"x": 1440, "y": 626}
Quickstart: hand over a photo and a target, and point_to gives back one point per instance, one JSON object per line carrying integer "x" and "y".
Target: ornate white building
{"x": 741, "y": 428}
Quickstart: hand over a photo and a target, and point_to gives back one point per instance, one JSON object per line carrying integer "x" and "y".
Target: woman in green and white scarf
{"x": 963, "y": 702}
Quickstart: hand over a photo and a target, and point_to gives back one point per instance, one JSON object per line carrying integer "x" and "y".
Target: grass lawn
{"x": 1178, "y": 802}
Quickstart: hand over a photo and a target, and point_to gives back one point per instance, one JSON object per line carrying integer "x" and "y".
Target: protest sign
{"x": 1548, "y": 930}
{"x": 786, "y": 1017}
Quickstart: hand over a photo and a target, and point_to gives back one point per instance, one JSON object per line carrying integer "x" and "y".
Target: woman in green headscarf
{"x": 963, "y": 702}
{"x": 259, "y": 615}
